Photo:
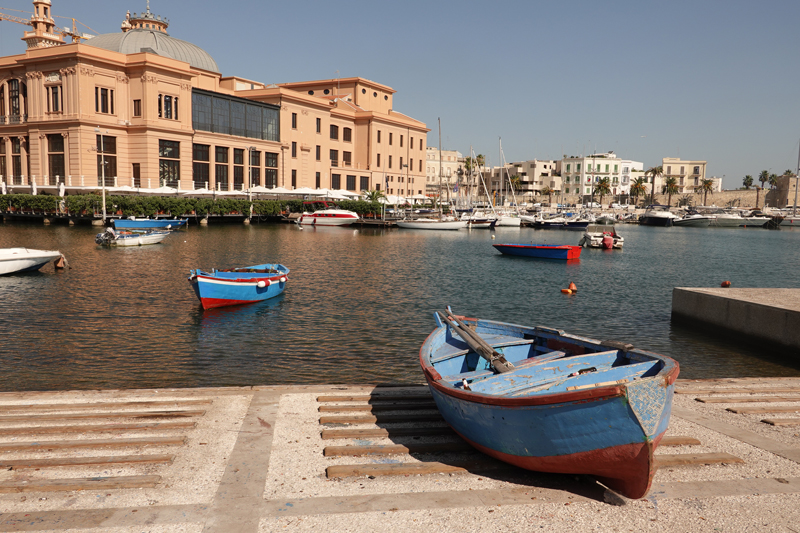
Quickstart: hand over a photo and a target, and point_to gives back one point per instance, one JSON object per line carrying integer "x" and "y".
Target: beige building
{"x": 687, "y": 174}
{"x": 529, "y": 177}
{"x": 784, "y": 194}
{"x": 450, "y": 162}
{"x": 144, "y": 109}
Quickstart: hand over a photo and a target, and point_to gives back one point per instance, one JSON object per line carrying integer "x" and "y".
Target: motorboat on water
{"x": 602, "y": 236}
{"x": 110, "y": 237}
{"x": 149, "y": 223}
{"x": 444, "y": 223}
{"x": 328, "y": 217}
{"x": 15, "y": 260}
{"x": 694, "y": 221}
{"x": 542, "y": 251}
{"x": 657, "y": 215}
{"x": 732, "y": 219}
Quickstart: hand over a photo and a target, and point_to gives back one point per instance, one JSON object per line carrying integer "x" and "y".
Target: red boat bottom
{"x": 210, "y": 303}
{"x": 626, "y": 469}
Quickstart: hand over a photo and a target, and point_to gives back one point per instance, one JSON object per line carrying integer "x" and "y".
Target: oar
{"x": 477, "y": 344}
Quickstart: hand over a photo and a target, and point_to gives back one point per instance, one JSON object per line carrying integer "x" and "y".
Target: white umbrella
{"x": 163, "y": 191}
{"x": 280, "y": 190}
{"x": 199, "y": 192}
{"x": 334, "y": 195}
{"x": 350, "y": 194}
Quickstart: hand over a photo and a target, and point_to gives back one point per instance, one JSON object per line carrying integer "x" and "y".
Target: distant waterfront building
{"x": 532, "y": 176}
{"x": 630, "y": 171}
{"x": 784, "y": 194}
{"x": 450, "y": 162}
{"x": 144, "y": 110}
{"x": 580, "y": 174}
{"x": 687, "y": 174}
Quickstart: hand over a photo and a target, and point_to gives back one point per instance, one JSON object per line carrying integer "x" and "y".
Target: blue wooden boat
{"x": 548, "y": 401}
{"x": 544, "y": 251}
{"x": 236, "y": 286}
{"x": 149, "y": 223}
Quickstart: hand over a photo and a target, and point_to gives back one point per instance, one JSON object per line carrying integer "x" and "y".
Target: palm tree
{"x": 773, "y": 181}
{"x": 603, "y": 188}
{"x": 549, "y": 192}
{"x": 372, "y": 196}
{"x": 638, "y": 188}
{"x": 747, "y": 182}
{"x": 670, "y": 187}
{"x": 706, "y": 186}
{"x": 654, "y": 172}
{"x": 763, "y": 177}
{"x": 788, "y": 172}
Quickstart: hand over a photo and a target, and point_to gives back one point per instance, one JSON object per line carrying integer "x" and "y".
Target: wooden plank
{"x": 782, "y": 421}
{"x": 96, "y": 428}
{"x": 99, "y": 405}
{"x": 682, "y": 459}
{"x": 377, "y": 408}
{"x": 752, "y": 390}
{"x": 18, "y": 464}
{"x": 331, "y": 434}
{"x": 477, "y": 464}
{"x": 747, "y": 399}
{"x": 115, "y": 414}
{"x": 379, "y": 419}
{"x": 761, "y": 410}
{"x": 81, "y": 483}
{"x": 377, "y": 398}
{"x": 90, "y": 443}
{"x": 395, "y": 449}
{"x": 676, "y": 440}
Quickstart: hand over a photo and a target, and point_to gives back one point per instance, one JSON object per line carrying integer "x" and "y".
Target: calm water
{"x": 359, "y": 302}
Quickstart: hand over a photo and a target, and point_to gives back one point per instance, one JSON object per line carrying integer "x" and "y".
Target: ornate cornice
{"x": 146, "y": 78}
{"x": 67, "y": 70}
{"x": 87, "y": 72}
{"x": 122, "y": 78}
{"x": 33, "y": 75}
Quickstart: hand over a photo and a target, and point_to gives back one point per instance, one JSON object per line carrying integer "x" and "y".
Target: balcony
{"x": 14, "y": 119}
{"x": 334, "y": 163}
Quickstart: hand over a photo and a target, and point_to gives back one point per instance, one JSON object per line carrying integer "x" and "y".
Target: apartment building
{"x": 687, "y": 174}
{"x": 580, "y": 174}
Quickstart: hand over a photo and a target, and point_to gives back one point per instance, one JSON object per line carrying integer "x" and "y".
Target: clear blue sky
{"x": 697, "y": 79}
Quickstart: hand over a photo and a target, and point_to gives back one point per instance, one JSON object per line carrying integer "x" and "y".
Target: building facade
{"x": 580, "y": 174}
{"x": 448, "y": 165}
{"x": 142, "y": 109}
{"x": 687, "y": 174}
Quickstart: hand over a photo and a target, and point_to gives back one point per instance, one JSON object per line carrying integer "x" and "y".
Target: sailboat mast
{"x": 440, "y": 168}
{"x": 797, "y": 182}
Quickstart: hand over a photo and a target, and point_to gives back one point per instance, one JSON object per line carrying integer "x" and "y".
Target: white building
{"x": 630, "y": 171}
{"x": 449, "y": 168}
{"x": 580, "y": 174}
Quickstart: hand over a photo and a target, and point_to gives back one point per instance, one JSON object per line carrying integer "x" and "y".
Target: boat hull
{"x": 215, "y": 291}
{"x": 692, "y": 222}
{"x": 542, "y": 251}
{"x": 328, "y": 217}
{"x": 141, "y": 239}
{"x": 432, "y": 224}
{"x": 17, "y": 260}
{"x": 143, "y": 223}
{"x": 663, "y": 222}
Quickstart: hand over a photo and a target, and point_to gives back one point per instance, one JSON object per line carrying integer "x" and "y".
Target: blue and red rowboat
{"x": 238, "y": 286}
{"x": 542, "y": 251}
{"x": 548, "y": 401}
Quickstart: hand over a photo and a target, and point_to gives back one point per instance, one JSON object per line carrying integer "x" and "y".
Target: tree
{"x": 372, "y": 196}
{"x": 602, "y": 188}
{"x": 788, "y": 172}
{"x": 515, "y": 181}
{"x": 706, "y": 186}
{"x": 747, "y": 182}
{"x": 638, "y": 188}
{"x": 549, "y": 192}
{"x": 670, "y": 187}
{"x": 763, "y": 177}
{"x": 773, "y": 181}
{"x": 653, "y": 172}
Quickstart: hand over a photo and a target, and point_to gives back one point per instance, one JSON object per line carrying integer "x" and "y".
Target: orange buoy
{"x": 566, "y": 291}
{"x": 725, "y": 284}
{"x": 572, "y": 287}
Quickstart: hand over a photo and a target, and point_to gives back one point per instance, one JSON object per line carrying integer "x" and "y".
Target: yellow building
{"x": 144, "y": 109}
{"x": 687, "y": 174}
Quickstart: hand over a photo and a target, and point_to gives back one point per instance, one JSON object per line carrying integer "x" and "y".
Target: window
{"x": 200, "y": 165}
{"x": 55, "y": 158}
{"x": 271, "y": 170}
{"x": 420, "y": 144}
{"x": 669, "y": 171}
{"x": 54, "y": 99}
{"x": 218, "y": 114}
{"x": 334, "y": 158}
{"x": 238, "y": 169}
{"x": 106, "y": 159}
{"x": 411, "y": 164}
{"x": 334, "y": 132}
{"x": 567, "y": 167}
{"x": 378, "y": 163}
{"x": 137, "y": 108}
{"x": 2, "y": 152}
{"x": 578, "y": 167}
{"x": 420, "y": 167}
{"x": 16, "y": 160}
{"x": 255, "y": 168}
{"x": 401, "y": 141}
{"x": 167, "y": 106}
{"x": 697, "y": 170}
{"x": 379, "y": 135}
{"x": 390, "y": 161}
{"x": 169, "y": 165}
{"x": 606, "y": 168}
{"x": 294, "y": 121}
{"x": 401, "y": 163}
{"x": 104, "y": 100}
{"x": 319, "y": 153}
{"x": 294, "y": 149}
{"x": 319, "y": 125}
{"x": 411, "y": 142}
{"x": 347, "y": 135}
{"x": 390, "y": 138}
{"x": 346, "y": 159}
{"x": 294, "y": 178}
{"x": 682, "y": 170}
{"x": 221, "y": 168}
{"x": 615, "y": 168}
{"x": 364, "y": 183}
{"x": 351, "y": 183}
{"x": 336, "y": 181}
{"x": 137, "y": 175}
{"x": 318, "y": 180}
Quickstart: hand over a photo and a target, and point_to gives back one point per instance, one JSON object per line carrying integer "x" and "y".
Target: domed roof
{"x": 155, "y": 42}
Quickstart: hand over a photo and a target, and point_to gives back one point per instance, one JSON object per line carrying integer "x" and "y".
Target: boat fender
{"x": 283, "y": 279}
{"x": 261, "y": 284}
{"x": 573, "y": 287}
{"x": 566, "y": 291}
{"x": 725, "y": 284}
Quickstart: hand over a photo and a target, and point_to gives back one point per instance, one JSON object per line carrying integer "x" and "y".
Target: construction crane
{"x": 45, "y": 29}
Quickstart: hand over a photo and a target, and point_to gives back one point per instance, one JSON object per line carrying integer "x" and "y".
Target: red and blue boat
{"x": 237, "y": 286}
{"x": 548, "y": 401}
{"x": 542, "y": 251}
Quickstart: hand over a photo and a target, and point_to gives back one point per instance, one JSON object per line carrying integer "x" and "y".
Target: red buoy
{"x": 572, "y": 287}
{"x": 725, "y": 284}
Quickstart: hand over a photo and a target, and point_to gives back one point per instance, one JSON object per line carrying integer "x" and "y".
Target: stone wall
{"x": 735, "y": 198}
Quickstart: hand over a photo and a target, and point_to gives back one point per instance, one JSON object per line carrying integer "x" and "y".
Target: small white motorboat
{"x": 328, "y": 217}
{"x": 694, "y": 221}
{"x": 130, "y": 238}
{"x": 432, "y": 223}
{"x": 13, "y": 260}
{"x": 602, "y": 236}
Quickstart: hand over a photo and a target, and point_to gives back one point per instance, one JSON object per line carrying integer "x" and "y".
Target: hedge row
{"x": 147, "y": 206}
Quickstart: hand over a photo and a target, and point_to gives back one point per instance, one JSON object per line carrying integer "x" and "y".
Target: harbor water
{"x": 359, "y": 302}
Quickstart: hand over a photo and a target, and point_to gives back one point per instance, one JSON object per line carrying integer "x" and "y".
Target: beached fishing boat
{"x": 13, "y": 260}
{"x": 542, "y": 251}
{"x": 237, "y": 286}
{"x": 548, "y": 401}
{"x": 130, "y": 238}
{"x": 149, "y": 223}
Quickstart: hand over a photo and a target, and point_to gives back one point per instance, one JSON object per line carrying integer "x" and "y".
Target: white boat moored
{"x": 13, "y": 260}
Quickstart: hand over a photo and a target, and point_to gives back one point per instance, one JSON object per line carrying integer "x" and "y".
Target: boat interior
{"x": 538, "y": 368}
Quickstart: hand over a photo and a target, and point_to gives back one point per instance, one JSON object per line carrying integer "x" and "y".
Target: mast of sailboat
{"x": 797, "y": 182}
{"x": 440, "y": 168}
{"x": 503, "y": 164}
